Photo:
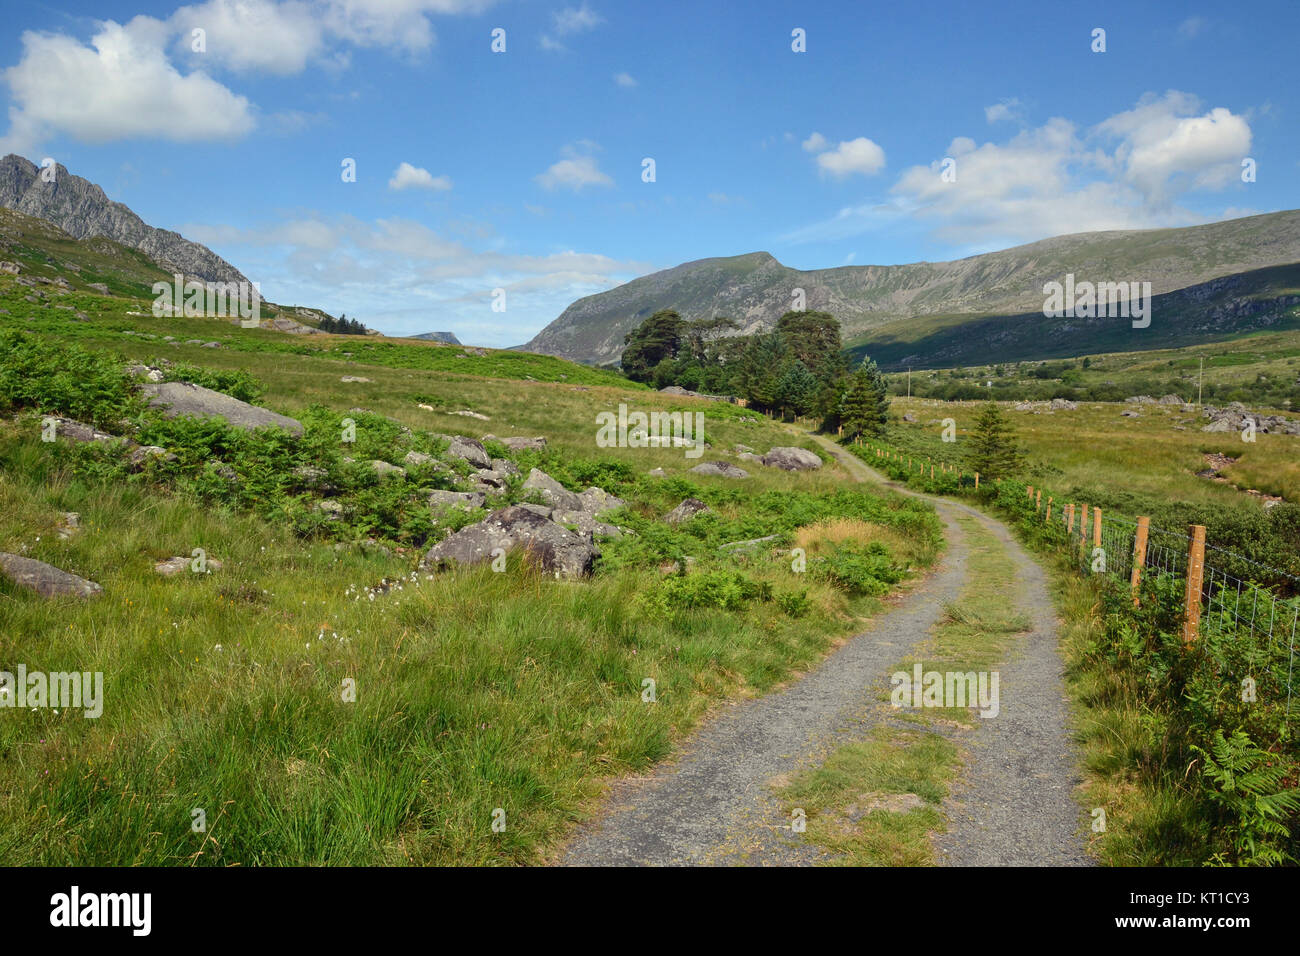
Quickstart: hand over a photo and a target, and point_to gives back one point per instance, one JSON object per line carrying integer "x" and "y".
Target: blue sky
{"x": 522, "y": 170}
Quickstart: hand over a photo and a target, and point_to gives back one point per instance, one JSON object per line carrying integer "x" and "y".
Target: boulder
{"x": 173, "y": 566}
{"x": 183, "y": 399}
{"x": 1171, "y": 399}
{"x": 468, "y": 414}
{"x": 595, "y": 500}
{"x": 415, "y": 458}
{"x": 792, "y": 459}
{"x": 586, "y": 523}
{"x": 657, "y": 473}
{"x": 504, "y": 466}
{"x": 1063, "y": 404}
{"x": 99, "y": 287}
{"x": 552, "y": 492}
{"x": 354, "y": 378}
{"x": 45, "y": 579}
{"x": 688, "y": 509}
{"x": 385, "y": 470}
{"x": 470, "y": 450}
{"x": 557, "y": 550}
{"x": 1140, "y": 400}
{"x": 722, "y": 469}
{"x": 909, "y": 417}
{"x": 465, "y": 500}
{"x": 746, "y": 456}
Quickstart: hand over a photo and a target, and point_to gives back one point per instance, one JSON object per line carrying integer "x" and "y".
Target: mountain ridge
{"x": 83, "y": 210}
{"x": 756, "y": 289}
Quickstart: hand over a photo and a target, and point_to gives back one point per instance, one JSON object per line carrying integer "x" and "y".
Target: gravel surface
{"x": 713, "y": 804}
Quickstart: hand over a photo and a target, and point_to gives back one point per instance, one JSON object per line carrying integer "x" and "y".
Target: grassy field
{"x": 228, "y": 692}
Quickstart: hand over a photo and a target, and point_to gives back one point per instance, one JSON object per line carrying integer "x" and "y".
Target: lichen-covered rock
{"x": 688, "y": 509}
{"x": 722, "y": 469}
{"x": 181, "y": 399}
{"x": 45, "y": 579}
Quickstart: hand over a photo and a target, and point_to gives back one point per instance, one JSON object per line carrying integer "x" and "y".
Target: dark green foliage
{"x": 992, "y": 449}
{"x": 67, "y": 379}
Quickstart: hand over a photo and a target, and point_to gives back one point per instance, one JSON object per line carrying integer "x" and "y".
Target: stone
{"x": 173, "y": 566}
{"x": 586, "y": 523}
{"x": 657, "y": 473}
{"x": 1171, "y": 400}
{"x": 1063, "y": 404}
{"x": 742, "y": 448}
{"x": 333, "y": 509}
{"x": 416, "y": 458}
{"x": 465, "y": 500}
{"x": 552, "y": 492}
{"x": 142, "y": 453}
{"x": 523, "y": 444}
{"x": 688, "y": 509}
{"x": 470, "y": 450}
{"x": 909, "y": 417}
{"x": 469, "y": 414}
{"x": 99, "y": 287}
{"x": 792, "y": 459}
{"x": 45, "y": 579}
{"x": 504, "y": 466}
{"x": 354, "y": 378}
{"x": 385, "y": 470}
{"x": 595, "y": 500}
{"x": 183, "y": 399}
{"x": 721, "y": 469}
{"x": 557, "y": 550}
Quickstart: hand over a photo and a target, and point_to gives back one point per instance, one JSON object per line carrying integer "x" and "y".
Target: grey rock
{"x": 722, "y": 469}
{"x": 466, "y": 500}
{"x": 595, "y": 500}
{"x": 99, "y": 287}
{"x": 504, "y": 466}
{"x": 385, "y": 470}
{"x": 354, "y": 378}
{"x": 657, "y": 473}
{"x": 586, "y": 523}
{"x": 792, "y": 459}
{"x": 183, "y": 399}
{"x": 688, "y": 509}
{"x": 1171, "y": 400}
{"x": 470, "y": 450}
{"x": 1063, "y": 404}
{"x": 552, "y": 492}
{"x": 45, "y": 579}
{"x": 416, "y": 458}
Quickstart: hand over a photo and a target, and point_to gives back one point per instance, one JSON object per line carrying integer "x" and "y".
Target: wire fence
{"x": 1259, "y": 622}
{"x": 1264, "y": 623}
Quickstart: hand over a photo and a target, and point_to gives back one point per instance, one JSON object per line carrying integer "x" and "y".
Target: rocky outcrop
{"x": 80, "y": 208}
{"x": 1233, "y": 418}
{"x": 45, "y": 579}
{"x": 556, "y": 550}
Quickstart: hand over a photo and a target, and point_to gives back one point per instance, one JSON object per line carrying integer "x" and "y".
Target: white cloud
{"x": 815, "y": 143}
{"x": 243, "y": 35}
{"x": 576, "y": 20}
{"x": 397, "y": 24}
{"x": 624, "y": 79}
{"x": 407, "y": 176}
{"x": 568, "y": 22}
{"x": 1005, "y": 110}
{"x": 1128, "y": 172}
{"x": 121, "y": 86}
{"x": 859, "y": 155}
{"x": 1190, "y": 27}
{"x": 576, "y": 170}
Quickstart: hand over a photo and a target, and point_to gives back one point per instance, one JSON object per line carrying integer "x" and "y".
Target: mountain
{"x": 756, "y": 289}
{"x": 447, "y": 337}
{"x": 80, "y": 209}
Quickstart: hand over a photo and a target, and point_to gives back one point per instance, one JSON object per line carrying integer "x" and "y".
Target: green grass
{"x": 475, "y": 690}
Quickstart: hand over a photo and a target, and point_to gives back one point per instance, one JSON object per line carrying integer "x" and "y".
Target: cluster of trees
{"x": 342, "y": 326}
{"x": 798, "y": 370}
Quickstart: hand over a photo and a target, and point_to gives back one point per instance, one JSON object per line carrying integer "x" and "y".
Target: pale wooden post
{"x": 1047, "y": 519}
{"x": 1069, "y": 519}
{"x": 977, "y": 481}
{"x": 932, "y": 471}
{"x": 1038, "y": 500}
{"x": 1195, "y": 575}
{"x": 1096, "y": 527}
{"x": 1139, "y": 557}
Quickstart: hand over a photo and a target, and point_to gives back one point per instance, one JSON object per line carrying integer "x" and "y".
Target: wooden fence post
{"x": 1047, "y": 519}
{"x": 1096, "y": 527}
{"x": 1139, "y": 557}
{"x": 977, "y": 481}
{"x": 1069, "y": 518}
{"x": 1038, "y": 500}
{"x": 1195, "y": 574}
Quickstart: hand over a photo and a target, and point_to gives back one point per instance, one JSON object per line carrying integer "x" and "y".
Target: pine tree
{"x": 859, "y": 409}
{"x": 994, "y": 451}
{"x": 796, "y": 389}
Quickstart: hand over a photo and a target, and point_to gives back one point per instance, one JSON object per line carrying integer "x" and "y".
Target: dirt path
{"x": 713, "y": 803}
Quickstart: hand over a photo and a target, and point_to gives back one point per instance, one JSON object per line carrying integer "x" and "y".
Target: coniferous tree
{"x": 994, "y": 451}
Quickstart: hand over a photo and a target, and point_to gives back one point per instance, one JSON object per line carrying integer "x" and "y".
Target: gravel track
{"x": 713, "y": 803}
